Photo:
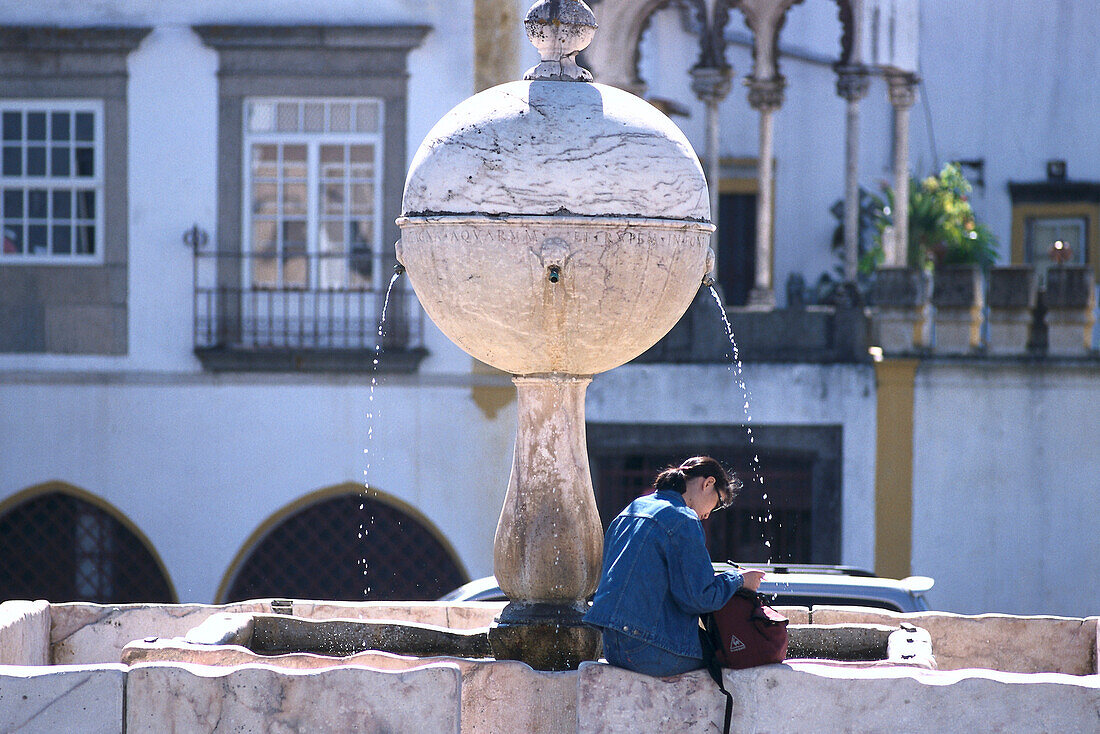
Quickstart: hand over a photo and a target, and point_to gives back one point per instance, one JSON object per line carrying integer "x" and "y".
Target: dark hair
{"x": 675, "y": 478}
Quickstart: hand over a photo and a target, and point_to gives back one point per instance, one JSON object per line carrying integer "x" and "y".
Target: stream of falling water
{"x": 736, "y": 368}
{"x": 372, "y": 416}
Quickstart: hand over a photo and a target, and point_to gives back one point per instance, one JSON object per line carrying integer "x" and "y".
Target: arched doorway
{"x": 347, "y": 546}
{"x": 61, "y": 544}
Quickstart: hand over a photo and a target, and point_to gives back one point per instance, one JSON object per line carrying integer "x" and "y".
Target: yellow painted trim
{"x": 895, "y": 380}
{"x": 84, "y": 495}
{"x": 273, "y": 520}
{"x": 496, "y": 42}
{"x": 1021, "y": 213}
{"x": 490, "y": 399}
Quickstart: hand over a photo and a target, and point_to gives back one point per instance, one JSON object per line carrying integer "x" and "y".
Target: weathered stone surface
{"x": 277, "y": 633}
{"x": 902, "y": 318}
{"x": 540, "y": 295}
{"x": 900, "y": 288}
{"x": 810, "y": 697}
{"x": 83, "y": 633}
{"x": 1012, "y": 287}
{"x": 544, "y": 147}
{"x": 224, "y": 629}
{"x": 1070, "y": 298}
{"x": 958, "y": 297}
{"x": 189, "y": 698}
{"x": 497, "y": 696}
{"x": 508, "y": 696}
{"x": 802, "y": 697}
{"x": 996, "y": 641}
{"x": 902, "y": 330}
{"x": 612, "y": 700}
{"x": 63, "y": 698}
{"x": 25, "y": 633}
{"x": 839, "y": 641}
{"x": 1013, "y": 292}
{"x": 795, "y": 615}
{"x": 549, "y": 543}
{"x": 455, "y": 615}
{"x": 1070, "y": 287}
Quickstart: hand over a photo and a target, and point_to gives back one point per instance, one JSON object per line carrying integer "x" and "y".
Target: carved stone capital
{"x": 711, "y": 83}
{"x": 902, "y": 88}
{"x": 766, "y": 95}
{"x": 852, "y": 82}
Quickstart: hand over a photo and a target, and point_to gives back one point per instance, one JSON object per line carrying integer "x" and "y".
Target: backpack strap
{"x": 708, "y": 634}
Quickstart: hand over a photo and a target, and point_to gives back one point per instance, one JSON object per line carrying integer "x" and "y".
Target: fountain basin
{"x": 559, "y": 294}
{"x": 997, "y": 673}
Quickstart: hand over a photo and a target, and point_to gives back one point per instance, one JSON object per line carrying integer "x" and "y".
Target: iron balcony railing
{"x": 248, "y": 302}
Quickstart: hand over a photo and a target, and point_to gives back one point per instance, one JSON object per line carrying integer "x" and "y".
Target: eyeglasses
{"x": 725, "y": 496}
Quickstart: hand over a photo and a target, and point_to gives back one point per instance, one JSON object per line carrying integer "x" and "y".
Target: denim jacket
{"x": 657, "y": 576}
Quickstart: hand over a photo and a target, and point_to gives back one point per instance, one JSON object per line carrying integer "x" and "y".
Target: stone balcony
{"x": 813, "y": 334}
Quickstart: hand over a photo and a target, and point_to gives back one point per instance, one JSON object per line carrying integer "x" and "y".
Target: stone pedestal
{"x": 549, "y": 541}
{"x": 901, "y": 319}
{"x": 1012, "y": 298}
{"x": 1070, "y": 299}
{"x": 959, "y": 298}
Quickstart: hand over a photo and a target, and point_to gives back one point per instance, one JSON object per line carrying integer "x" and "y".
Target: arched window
{"x": 348, "y": 547}
{"x": 58, "y": 546}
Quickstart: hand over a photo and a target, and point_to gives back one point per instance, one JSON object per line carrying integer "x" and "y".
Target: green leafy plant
{"x": 943, "y": 229}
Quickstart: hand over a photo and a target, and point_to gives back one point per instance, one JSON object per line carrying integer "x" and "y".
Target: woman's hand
{"x": 752, "y": 578}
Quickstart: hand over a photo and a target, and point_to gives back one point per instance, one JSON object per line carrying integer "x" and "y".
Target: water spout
{"x": 555, "y": 273}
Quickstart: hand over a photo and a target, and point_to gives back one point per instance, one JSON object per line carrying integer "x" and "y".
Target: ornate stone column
{"x": 549, "y": 541}
{"x": 851, "y": 84}
{"x": 711, "y": 85}
{"x": 765, "y": 96}
{"x": 903, "y": 94}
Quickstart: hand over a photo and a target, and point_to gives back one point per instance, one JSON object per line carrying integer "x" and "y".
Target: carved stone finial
{"x": 559, "y": 29}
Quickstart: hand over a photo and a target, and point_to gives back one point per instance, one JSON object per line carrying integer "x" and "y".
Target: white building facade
{"x": 198, "y": 207}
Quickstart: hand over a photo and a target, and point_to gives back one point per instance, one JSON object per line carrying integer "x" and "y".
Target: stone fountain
{"x": 554, "y": 228}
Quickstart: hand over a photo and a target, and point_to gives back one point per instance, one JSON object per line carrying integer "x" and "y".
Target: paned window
{"x": 51, "y": 181}
{"x": 313, "y": 192}
{"x": 1056, "y": 240}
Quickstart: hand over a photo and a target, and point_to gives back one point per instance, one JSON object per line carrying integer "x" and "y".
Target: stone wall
{"x": 84, "y": 633}
{"x": 192, "y": 698}
{"x": 802, "y": 696}
{"x": 999, "y": 642}
{"x": 1045, "y": 678}
{"x": 69, "y": 698}
{"x": 25, "y": 633}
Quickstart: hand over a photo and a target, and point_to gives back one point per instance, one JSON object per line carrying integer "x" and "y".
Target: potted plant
{"x": 945, "y": 238}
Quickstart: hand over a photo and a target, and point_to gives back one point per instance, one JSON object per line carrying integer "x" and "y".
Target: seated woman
{"x": 657, "y": 575}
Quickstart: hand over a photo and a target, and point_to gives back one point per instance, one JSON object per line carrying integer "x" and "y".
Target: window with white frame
{"x": 313, "y": 187}
{"x": 51, "y": 181}
{"x": 1055, "y": 240}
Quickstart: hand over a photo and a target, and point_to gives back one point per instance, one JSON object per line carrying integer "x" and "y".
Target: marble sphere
{"x": 555, "y": 226}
